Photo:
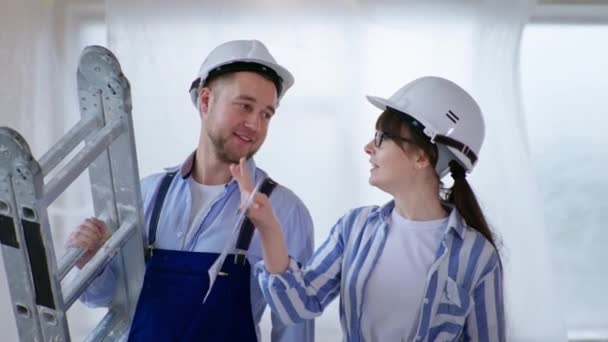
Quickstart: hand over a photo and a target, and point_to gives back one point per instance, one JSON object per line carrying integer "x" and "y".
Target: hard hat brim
{"x": 379, "y": 102}
{"x": 287, "y": 77}
{"x": 382, "y": 104}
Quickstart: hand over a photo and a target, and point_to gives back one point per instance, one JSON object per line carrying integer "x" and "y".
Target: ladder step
{"x": 67, "y": 143}
{"x": 110, "y": 328}
{"x": 68, "y": 260}
{"x": 73, "y": 254}
{"x": 81, "y": 161}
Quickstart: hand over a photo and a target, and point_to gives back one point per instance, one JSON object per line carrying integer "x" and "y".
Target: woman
{"x": 423, "y": 267}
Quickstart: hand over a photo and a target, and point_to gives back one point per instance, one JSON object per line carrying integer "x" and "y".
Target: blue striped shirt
{"x": 463, "y": 294}
{"x": 214, "y": 231}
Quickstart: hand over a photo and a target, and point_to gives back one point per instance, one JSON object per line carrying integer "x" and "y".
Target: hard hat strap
{"x": 464, "y": 149}
{"x": 240, "y": 66}
{"x": 245, "y": 66}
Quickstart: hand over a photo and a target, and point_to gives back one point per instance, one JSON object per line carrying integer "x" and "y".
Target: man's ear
{"x": 204, "y": 99}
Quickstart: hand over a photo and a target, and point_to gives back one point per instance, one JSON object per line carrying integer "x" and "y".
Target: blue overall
{"x": 170, "y": 305}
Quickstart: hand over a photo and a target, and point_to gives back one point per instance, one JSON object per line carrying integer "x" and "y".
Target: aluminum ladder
{"x": 39, "y": 291}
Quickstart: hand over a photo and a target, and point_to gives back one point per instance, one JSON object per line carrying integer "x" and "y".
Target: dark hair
{"x": 460, "y": 195}
{"x": 394, "y": 122}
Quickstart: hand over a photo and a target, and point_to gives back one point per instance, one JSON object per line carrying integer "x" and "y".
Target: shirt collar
{"x": 456, "y": 222}
{"x": 185, "y": 170}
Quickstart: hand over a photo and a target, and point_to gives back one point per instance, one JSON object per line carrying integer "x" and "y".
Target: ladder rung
{"x": 71, "y": 256}
{"x": 98, "y": 262}
{"x": 82, "y": 160}
{"x": 67, "y": 143}
{"x": 111, "y": 327}
{"x": 68, "y": 260}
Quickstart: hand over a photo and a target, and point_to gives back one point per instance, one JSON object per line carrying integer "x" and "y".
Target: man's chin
{"x": 236, "y": 157}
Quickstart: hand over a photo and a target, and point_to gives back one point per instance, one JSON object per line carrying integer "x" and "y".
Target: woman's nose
{"x": 369, "y": 147}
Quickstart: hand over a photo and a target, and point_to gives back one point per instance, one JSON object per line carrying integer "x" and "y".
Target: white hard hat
{"x": 446, "y": 114}
{"x": 251, "y": 53}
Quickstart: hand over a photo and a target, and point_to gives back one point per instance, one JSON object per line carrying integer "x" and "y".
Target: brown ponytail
{"x": 463, "y": 198}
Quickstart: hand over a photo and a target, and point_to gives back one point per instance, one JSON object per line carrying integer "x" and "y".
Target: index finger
{"x": 240, "y": 172}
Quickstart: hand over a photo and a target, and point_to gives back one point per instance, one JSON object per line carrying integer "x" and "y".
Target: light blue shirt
{"x": 213, "y": 233}
{"x": 462, "y": 298}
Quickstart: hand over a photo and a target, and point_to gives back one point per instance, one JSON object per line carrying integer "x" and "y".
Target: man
{"x": 191, "y": 210}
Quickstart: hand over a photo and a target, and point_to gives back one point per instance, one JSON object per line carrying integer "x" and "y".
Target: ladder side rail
{"x": 33, "y": 223}
{"x": 114, "y": 176}
{"x": 14, "y": 252}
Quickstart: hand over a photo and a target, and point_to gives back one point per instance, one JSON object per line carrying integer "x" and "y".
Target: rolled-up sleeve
{"x": 300, "y": 244}
{"x": 302, "y": 293}
{"x": 101, "y": 290}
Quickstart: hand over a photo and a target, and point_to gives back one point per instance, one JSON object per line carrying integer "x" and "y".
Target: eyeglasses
{"x": 379, "y": 138}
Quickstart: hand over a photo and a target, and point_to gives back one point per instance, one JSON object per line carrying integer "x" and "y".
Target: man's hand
{"x": 90, "y": 235}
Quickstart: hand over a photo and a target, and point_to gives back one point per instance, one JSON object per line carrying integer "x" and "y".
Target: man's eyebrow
{"x": 252, "y": 99}
{"x": 246, "y": 97}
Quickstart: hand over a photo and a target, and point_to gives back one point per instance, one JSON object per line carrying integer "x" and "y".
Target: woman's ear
{"x": 421, "y": 159}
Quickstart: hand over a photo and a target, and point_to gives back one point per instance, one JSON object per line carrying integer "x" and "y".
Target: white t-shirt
{"x": 202, "y": 197}
{"x": 394, "y": 292}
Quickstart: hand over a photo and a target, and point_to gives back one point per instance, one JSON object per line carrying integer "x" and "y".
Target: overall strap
{"x": 247, "y": 228}
{"x": 158, "y": 206}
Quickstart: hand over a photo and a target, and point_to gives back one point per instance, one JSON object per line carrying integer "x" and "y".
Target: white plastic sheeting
{"x": 506, "y": 181}
{"x": 565, "y": 97}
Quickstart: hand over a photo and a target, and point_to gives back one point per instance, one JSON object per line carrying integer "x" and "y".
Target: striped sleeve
{"x": 486, "y": 322}
{"x": 302, "y": 293}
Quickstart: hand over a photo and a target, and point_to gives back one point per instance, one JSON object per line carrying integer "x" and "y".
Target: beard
{"x": 223, "y": 152}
